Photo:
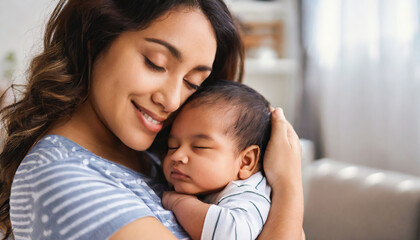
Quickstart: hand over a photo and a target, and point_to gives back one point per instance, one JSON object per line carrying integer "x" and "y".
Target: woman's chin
{"x": 140, "y": 143}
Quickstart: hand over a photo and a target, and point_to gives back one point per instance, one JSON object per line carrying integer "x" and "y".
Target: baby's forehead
{"x": 225, "y": 114}
{"x": 221, "y": 109}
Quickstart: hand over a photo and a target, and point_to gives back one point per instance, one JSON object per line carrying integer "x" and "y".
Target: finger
{"x": 293, "y": 137}
{"x": 279, "y": 125}
{"x": 291, "y": 132}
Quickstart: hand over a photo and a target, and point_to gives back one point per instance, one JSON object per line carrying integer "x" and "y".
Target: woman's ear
{"x": 249, "y": 161}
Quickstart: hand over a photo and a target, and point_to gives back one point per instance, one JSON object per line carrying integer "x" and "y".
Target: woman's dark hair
{"x": 59, "y": 78}
{"x": 251, "y": 122}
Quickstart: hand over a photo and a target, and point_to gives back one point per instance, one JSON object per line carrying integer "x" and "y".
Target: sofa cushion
{"x": 346, "y": 201}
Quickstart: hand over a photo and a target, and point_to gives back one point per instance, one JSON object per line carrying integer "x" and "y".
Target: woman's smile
{"x": 148, "y": 118}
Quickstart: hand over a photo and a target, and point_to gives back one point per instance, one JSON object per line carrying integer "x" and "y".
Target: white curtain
{"x": 363, "y": 80}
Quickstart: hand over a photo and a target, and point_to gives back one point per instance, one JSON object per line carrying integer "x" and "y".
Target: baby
{"x": 214, "y": 162}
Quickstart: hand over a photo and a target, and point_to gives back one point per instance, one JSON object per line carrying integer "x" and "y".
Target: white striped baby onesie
{"x": 239, "y": 211}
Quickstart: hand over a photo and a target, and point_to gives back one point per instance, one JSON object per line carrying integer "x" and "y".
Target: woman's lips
{"x": 149, "y": 120}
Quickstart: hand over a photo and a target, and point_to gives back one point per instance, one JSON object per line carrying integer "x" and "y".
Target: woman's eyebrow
{"x": 172, "y": 49}
{"x": 176, "y": 53}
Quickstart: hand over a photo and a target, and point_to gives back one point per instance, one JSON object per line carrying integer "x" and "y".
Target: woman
{"x": 110, "y": 75}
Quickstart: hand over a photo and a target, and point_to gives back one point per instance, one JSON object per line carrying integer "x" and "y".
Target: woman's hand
{"x": 282, "y": 159}
{"x": 283, "y": 171}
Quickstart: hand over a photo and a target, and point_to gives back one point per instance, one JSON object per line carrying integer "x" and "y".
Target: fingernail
{"x": 280, "y": 112}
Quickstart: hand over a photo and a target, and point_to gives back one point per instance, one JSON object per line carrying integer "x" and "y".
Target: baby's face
{"x": 201, "y": 157}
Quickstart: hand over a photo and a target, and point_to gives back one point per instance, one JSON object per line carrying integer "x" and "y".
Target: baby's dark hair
{"x": 252, "y": 116}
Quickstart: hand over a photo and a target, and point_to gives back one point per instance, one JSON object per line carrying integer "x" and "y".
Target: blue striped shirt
{"x": 63, "y": 191}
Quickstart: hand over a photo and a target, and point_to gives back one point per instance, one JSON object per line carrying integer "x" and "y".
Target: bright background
{"x": 346, "y": 72}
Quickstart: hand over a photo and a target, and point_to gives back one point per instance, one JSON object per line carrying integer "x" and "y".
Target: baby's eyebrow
{"x": 203, "y": 136}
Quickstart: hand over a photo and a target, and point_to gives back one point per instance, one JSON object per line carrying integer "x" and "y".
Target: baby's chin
{"x": 186, "y": 190}
{"x": 180, "y": 189}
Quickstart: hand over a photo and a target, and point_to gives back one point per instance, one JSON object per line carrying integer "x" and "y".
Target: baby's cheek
{"x": 165, "y": 168}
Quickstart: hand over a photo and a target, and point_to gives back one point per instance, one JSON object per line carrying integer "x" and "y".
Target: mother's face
{"x": 146, "y": 75}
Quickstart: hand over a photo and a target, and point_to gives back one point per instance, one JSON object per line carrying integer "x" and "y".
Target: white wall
{"x": 21, "y": 30}
{"x": 22, "y": 25}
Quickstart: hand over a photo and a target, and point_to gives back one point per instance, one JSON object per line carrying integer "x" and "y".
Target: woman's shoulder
{"x": 58, "y": 157}
{"x": 61, "y": 186}
{"x": 53, "y": 151}
{"x": 53, "y": 148}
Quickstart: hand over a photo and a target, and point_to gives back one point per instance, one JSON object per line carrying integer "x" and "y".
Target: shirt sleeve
{"x": 239, "y": 214}
{"x": 70, "y": 201}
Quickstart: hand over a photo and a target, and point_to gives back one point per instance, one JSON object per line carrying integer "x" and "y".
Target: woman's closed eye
{"x": 157, "y": 68}
{"x": 192, "y": 86}
{"x": 153, "y": 66}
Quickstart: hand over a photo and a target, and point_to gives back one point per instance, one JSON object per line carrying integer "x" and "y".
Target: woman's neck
{"x": 85, "y": 129}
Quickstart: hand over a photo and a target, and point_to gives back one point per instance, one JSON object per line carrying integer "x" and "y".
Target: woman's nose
{"x": 170, "y": 95}
{"x": 179, "y": 156}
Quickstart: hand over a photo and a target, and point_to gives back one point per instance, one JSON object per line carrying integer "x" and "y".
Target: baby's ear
{"x": 249, "y": 161}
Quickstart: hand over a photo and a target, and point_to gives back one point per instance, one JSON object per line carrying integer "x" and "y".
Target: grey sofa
{"x": 344, "y": 201}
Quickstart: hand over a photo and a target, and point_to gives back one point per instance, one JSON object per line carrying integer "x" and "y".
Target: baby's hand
{"x": 172, "y": 198}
